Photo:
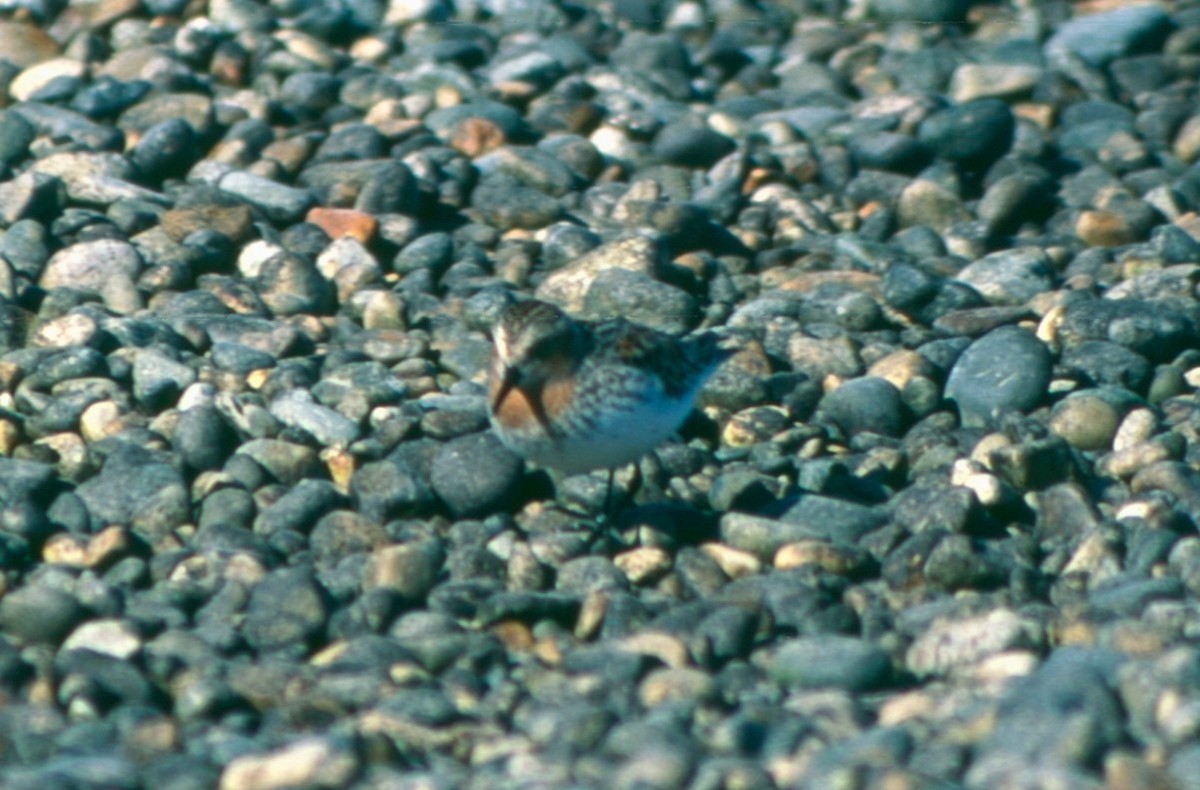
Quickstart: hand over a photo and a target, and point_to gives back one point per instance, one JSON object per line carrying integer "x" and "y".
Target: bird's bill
{"x": 508, "y": 380}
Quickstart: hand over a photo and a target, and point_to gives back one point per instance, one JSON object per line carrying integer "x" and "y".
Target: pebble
{"x": 158, "y": 380}
{"x": 487, "y": 485}
{"x": 955, "y": 646}
{"x": 568, "y": 286}
{"x": 641, "y": 299}
{"x": 831, "y": 662}
{"x": 114, "y": 638}
{"x": 277, "y": 201}
{"x": 973, "y": 134}
{"x": 313, "y": 761}
{"x": 1156, "y": 332}
{"x": 973, "y": 81}
{"x": 690, "y": 145}
{"x": 1085, "y": 422}
{"x": 26, "y": 44}
{"x": 202, "y": 437}
{"x": 866, "y": 404}
{"x": 297, "y": 409}
{"x": 811, "y": 517}
{"x": 1006, "y": 370}
{"x": 92, "y": 266}
{"x": 1103, "y": 37}
{"x": 136, "y": 488}
{"x": 285, "y": 610}
{"x": 932, "y": 525}
{"x": 1011, "y": 277}
{"x": 101, "y": 178}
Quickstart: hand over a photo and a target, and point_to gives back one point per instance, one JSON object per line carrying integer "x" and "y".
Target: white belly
{"x": 619, "y": 437}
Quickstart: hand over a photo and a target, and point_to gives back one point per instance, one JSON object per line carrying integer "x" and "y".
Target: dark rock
{"x": 102, "y": 680}
{"x": 932, "y": 503}
{"x": 384, "y": 489}
{"x": 1074, "y": 684}
{"x": 1016, "y": 198}
{"x": 1104, "y": 37}
{"x": 286, "y": 462}
{"x": 691, "y": 145}
{"x": 476, "y": 475}
{"x": 641, "y": 299}
{"x": 289, "y": 284}
{"x": 158, "y": 380}
{"x": 300, "y": 508}
{"x": 138, "y": 488}
{"x": 508, "y": 204}
{"x": 16, "y": 134}
{"x": 831, "y": 662}
{"x": 898, "y": 153}
{"x": 165, "y": 150}
{"x": 1103, "y": 363}
{"x": 921, "y": 11}
{"x": 432, "y": 251}
{"x": 40, "y": 613}
{"x": 955, "y": 564}
{"x": 232, "y": 507}
{"x": 805, "y": 517}
{"x": 532, "y": 167}
{"x": 867, "y": 404}
{"x": 1004, "y": 371}
{"x": 353, "y": 141}
{"x": 1156, "y": 331}
{"x": 287, "y": 611}
{"x": 973, "y": 135}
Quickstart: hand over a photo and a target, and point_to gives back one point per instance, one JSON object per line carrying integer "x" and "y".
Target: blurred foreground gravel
{"x": 935, "y": 526}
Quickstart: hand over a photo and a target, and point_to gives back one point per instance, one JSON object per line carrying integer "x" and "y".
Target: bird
{"x": 579, "y": 396}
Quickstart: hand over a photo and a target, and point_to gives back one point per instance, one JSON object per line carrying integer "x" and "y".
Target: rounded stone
{"x": 974, "y": 134}
{"x": 1006, "y": 370}
{"x": 869, "y": 404}
{"x": 1085, "y": 422}
{"x": 40, "y": 614}
{"x": 831, "y": 662}
{"x": 476, "y": 475}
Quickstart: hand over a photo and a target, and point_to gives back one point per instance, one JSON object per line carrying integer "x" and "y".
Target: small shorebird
{"x": 579, "y": 396}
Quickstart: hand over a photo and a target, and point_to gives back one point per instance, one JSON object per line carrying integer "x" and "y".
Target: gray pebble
{"x": 138, "y": 488}
{"x": 641, "y": 299}
{"x": 831, "y": 662}
{"x": 507, "y": 204}
{"x": 475, "y": 475}
{"x": 298, "y": 409}
{"x": 973, "y": 135}
{"x": 866, "y": 404}
{"x": 158, "y": 379}
{"x": 384, "y": 489}
{"x": 1103, "y": 37}
{"x": 40, "y": 613}
{"x": 1006, "y": 370}
{"x": 1011, "y": 277}
{"x": 279, "y": 202}
{"x": 691, "y": 145}
{"x": 286, "y": 610}
{"x": 1155, "y": 331}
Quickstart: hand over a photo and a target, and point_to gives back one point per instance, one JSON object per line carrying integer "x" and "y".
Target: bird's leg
{"x": 606, "y": 513}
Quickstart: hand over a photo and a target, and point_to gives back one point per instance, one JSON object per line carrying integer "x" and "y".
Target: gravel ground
{"x": 934, "y": 526}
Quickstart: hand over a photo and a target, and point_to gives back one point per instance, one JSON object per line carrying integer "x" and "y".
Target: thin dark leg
{"x": 615, "y": 503}
{"x": 606, "y": 514}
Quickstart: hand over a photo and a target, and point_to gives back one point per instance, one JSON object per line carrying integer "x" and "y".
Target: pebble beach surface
{"x": 934, "y": 526}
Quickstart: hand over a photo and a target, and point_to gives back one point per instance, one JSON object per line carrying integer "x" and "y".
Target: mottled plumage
{"x": 579, "y": 396}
